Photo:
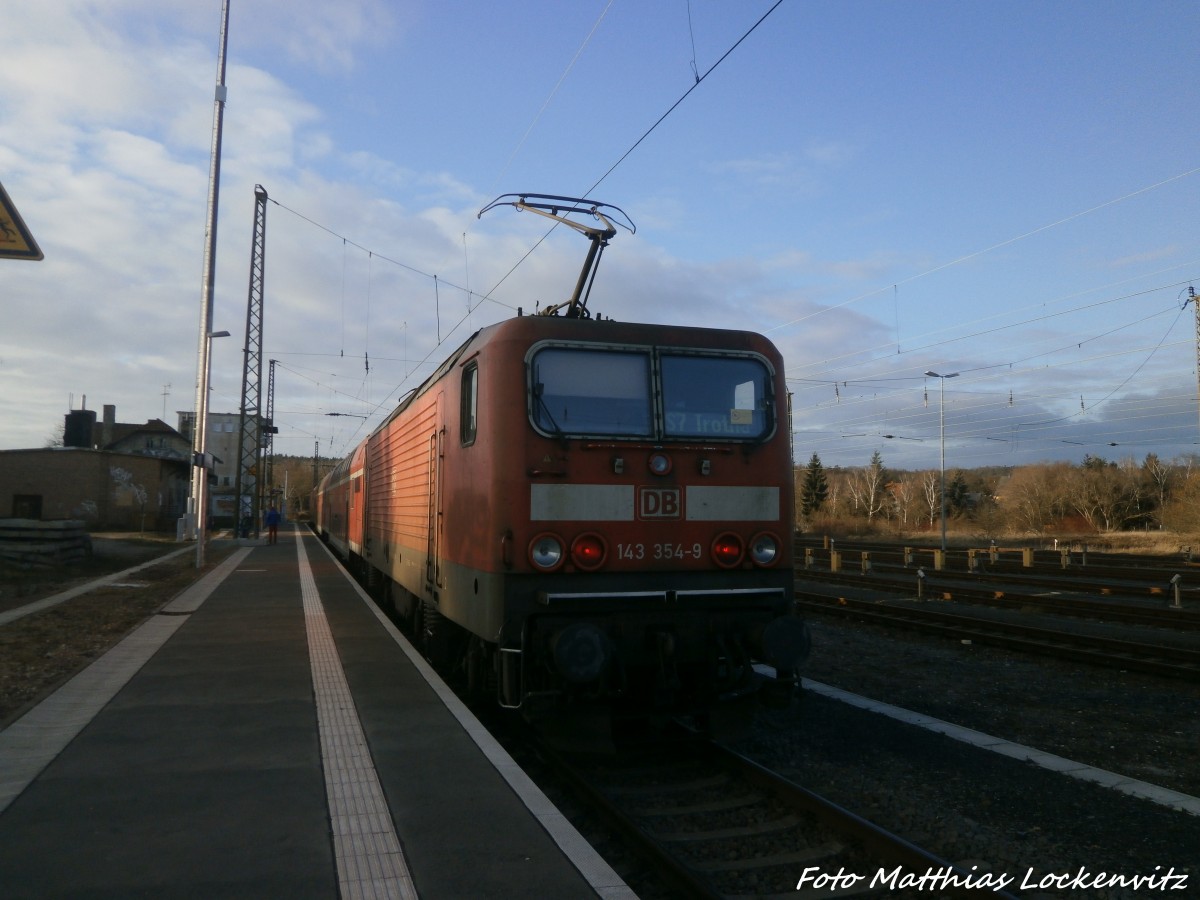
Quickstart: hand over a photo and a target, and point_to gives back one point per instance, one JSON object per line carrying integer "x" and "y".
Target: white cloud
{"x": 104, "y": 146}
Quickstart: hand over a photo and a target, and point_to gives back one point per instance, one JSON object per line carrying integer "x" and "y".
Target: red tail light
{"x": 588, "y": 551}
{"x": 727, "y": 550}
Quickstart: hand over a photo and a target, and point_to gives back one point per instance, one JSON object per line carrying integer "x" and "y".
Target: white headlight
{"x": 546, "y": 551}
{"x": 764, "y": 549}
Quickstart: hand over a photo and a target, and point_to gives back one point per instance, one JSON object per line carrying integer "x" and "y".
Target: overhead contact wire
{"x": 638, "y": 142}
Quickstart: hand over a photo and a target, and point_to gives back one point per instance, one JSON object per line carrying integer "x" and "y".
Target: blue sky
{"x": 1006, "y": 191}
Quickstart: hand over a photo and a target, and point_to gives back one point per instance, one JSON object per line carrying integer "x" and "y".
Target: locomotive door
{"x": 433, "y": 563}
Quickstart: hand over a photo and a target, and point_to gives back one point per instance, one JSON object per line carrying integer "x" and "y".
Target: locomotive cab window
{"x": 594, "y": 392}
{"x": 469, "y": 410}
{"x": 715, "y": 397}
{"x": 659, "y": 394}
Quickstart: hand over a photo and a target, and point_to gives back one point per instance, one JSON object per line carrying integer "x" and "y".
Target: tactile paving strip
{"x": 370, "y": 862}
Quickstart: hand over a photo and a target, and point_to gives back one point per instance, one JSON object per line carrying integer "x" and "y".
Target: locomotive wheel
{"x": 372, "y": 579}
{"x": 477, "y": 669}
{"x": 404, "y": 606}
{"x": 436, "y": 638}
{"x": 387, "y": 596}
{"x": 416, "y": 624}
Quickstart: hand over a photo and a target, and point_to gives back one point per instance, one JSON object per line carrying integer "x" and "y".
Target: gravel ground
{"x": 977, "y": 808}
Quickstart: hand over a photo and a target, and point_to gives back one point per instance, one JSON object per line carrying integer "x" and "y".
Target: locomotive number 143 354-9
{"x": 659, "y": 551}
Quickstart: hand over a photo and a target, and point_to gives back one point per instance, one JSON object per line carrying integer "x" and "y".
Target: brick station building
{"x": 110, "y": 475}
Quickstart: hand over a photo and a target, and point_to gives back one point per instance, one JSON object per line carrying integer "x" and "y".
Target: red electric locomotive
{"x": 586, "y": 513}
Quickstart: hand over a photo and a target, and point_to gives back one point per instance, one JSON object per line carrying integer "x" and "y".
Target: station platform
{"x": 271, "y": 734}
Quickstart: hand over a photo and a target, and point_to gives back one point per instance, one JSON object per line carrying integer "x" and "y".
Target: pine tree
{"x": 815, "y": 488}
{"x": 956, "y": 493}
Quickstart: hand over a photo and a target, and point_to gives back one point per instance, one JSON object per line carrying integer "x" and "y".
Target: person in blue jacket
{"x": 272, "y": 522}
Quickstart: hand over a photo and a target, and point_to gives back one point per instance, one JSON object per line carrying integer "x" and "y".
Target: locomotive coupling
{"x": 785, "y": 643}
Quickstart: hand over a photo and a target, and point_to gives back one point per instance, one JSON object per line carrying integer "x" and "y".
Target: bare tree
{"x": 833, "y": 502}
{"x": 875, "y": 492}
{"x": 1105, "y": 494}
{"x": 1182, "y": 511}
{"x": 1033, "y": 498}
{"x": 906, "y": 493}
{"x": 57, "y": 437}
{"x": 1160, "y": 477}
{"x": 931, "y": 490}
{"x": 867, "y": 489}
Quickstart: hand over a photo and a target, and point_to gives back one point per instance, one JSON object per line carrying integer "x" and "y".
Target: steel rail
{"x": 999, "y": 593}
{"x": 856, "y": 839}
{"x": 1155, "y": 659}
{"x": 878, "y": 841}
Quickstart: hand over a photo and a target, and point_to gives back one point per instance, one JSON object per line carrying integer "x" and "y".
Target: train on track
{"x": 576, "y": 513}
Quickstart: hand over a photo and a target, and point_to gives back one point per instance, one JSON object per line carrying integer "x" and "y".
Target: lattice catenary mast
{"x": 265, "y": 495}
{"x": 1196, "y": 309}
{"x": 250, "y": 437}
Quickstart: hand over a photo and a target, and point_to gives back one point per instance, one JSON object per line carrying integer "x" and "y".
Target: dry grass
{"x": 1151, "y": 543}
{"x": 964, "y": 536}
{"x": 41, "y": 651}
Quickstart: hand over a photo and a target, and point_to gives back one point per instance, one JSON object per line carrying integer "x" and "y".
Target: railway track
{"x": 1153, "y": 578}
{"x": 718, "y": 825}
{"x": 1158, "y": 659}
{"x": 1002, "y": 593}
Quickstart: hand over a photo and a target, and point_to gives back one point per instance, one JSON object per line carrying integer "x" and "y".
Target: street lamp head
{"x": 214, "y": 334}
{"x": 933, "y": 374}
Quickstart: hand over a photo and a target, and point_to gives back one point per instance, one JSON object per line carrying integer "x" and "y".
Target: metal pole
{"x": 1196, "y": 311}
{"x": 942, "y": 432}
{"x": 199, "y": 501}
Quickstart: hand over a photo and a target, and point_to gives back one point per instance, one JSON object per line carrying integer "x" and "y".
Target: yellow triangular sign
{"x": 15, "y": 240}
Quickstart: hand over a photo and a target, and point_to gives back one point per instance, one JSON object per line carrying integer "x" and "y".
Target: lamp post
{"x": 942, "y": 430}
{"x": 200, "y": 464}
{"x": 204, "y": 342}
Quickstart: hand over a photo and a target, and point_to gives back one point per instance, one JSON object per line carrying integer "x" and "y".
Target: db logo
{"x": 659, "y": 503}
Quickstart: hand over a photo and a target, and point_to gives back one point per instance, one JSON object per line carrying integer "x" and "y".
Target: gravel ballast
{"x": 987, "y": 811}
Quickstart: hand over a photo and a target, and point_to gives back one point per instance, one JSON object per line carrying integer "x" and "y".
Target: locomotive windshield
{"x": 662, "y": 394}
{"x": 714, "y": 397}
{"x": 592, "y": 392}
